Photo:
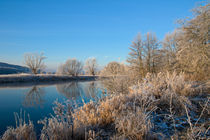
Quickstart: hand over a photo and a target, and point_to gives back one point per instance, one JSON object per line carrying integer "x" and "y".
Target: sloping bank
{"x": 25, "y": 78}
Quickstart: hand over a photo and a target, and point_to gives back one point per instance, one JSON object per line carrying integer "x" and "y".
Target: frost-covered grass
{"x": 23, "y": 131}
{"x": 161, "y": 106}
{"x": 163, "y": 83}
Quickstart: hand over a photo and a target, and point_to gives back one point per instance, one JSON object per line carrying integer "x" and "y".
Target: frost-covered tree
{"x": 143, "y": 55}
{"x": 193, "y": 53}
{"x": 71, "y": 67}
{"x": 150, "y": 51}
{"x": 113, "y": 69}
{"x": 91, "y": 66}
{"x": 136, "y": 56}
{"x": 35, "y": 62}
{"x": 169, "y": 50}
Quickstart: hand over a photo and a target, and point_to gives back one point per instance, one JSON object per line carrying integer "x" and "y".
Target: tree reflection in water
{"x": 34, "y": 97}
{"x": 91, "y": 90}
{"x": 70, "y": 90}
{"x": 80, "y": 92}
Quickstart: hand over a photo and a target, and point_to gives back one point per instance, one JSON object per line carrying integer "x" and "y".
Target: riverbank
{"x": 162, "y": 106}
{"x": 30, "y": 78}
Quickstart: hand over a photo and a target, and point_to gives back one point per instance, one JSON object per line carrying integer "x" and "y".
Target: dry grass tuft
{"x": 23, "y": 130}
{"x": 59, "y": 126}
{"x": 133, "y": 125}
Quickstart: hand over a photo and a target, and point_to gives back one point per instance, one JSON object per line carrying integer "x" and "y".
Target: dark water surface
{"x": 38, "y": 100}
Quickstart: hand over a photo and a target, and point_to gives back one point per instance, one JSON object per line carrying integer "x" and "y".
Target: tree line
{"x": 186, "y": 49}
{"x": 72, "y": 67}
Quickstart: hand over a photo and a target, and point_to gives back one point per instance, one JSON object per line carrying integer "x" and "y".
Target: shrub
{"x": 161, "y": 83}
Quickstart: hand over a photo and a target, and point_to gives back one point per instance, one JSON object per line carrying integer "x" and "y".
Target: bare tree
{"x": 35, "y": 62}
{"x": 136, "y": 56}
{"x": 91, "y": 66}
{"x": 72, "y": 67}
{"x": 150, "y": 50}
{"x": 143, "y": 56}
{"x": 169, "y": 50}
{"x": 113, "y": 69}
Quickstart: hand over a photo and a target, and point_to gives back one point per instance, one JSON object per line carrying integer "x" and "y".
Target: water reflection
{"x": 116, "y": 84}
{"x": 82, "y": 91}
{"x": 38, "y": 100}
{"x": 70, "y": 90}
{"x": 34, "y": 97}
{"x": 91, "y": 90}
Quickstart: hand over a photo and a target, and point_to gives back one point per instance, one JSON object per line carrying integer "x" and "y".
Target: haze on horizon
{"x": 82, "y": 29}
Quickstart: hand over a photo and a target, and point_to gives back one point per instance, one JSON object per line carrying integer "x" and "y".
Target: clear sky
{"x": 80, "y": 29}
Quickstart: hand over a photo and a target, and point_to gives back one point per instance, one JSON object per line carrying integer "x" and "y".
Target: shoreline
{"x": 28, "y": 79}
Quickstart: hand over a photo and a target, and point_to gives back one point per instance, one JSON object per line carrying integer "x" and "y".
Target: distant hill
{"x": 6, "y": 68}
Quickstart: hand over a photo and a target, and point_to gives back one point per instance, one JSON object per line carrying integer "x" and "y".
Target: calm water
{"x": 38, "y": 100}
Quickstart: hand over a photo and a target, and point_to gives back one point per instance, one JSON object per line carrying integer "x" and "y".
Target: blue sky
{"x": 80, "y": 29}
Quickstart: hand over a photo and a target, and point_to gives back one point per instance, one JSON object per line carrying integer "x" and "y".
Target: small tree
{"x": 113, "y": 69}
{"x": 35, "y": 62}
{"x": 91, "y": 66}
{"x": 72, "y": 67}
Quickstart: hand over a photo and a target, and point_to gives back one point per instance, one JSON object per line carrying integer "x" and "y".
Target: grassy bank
{"x": 30, "y": 78}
